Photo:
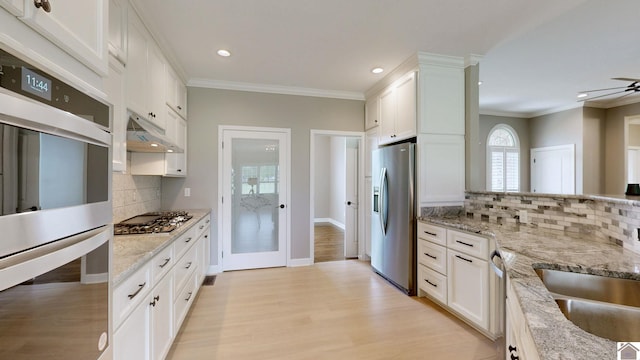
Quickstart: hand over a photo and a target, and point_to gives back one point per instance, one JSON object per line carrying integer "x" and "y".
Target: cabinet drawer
{"x": 469, "y": 244}
{"x": 129, "y": 293}
{"x": 433, "y": 256}
{"x": 162, "y": 263}
{"x": 202, "y": 226}
{"x": 433, "y": 283}
{"x": 183, "y": 242}
{"x": 184, "y": 266}
{"x": 184, "y": 300}
{"x": 432, "y": 233}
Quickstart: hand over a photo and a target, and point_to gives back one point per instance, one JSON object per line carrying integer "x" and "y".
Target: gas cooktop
{"x": 152, "y": 222}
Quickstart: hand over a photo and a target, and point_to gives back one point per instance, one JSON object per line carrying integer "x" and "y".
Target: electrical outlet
{"x": 524, "y": 217}
{"x": 135, "y": 196}
{"x": 187, "y": 192}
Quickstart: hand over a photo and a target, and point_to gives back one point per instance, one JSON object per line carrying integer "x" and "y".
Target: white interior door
{"x": 254, "y": 203}
{"x": 633, "y": 164}
{"x": 553, "y": 170}
{"x": 352, "y": 201}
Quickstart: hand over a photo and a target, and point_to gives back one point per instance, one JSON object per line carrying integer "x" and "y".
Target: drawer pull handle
{"x": 208, "y": 221}
{"x": 155, "y": 300}
{"x": 431, "y": 256}
{"x": 430, "y": 283}
{"x": 188, "y": 239}
{"x": 140, "y": 287}
{"x": 201, "y": 227}
{"x": 189, "y": 265}
{"x": 464, "y": 243}
{"x": 166, "y": 261}
{"x": 430, "y": 233}
{"x": 189, "y": 297}
{"x": 461, "y": 258}
{"x": 512, "y": 348}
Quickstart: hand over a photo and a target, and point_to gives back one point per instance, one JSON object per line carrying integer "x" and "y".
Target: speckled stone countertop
{"x": 522, "y": 248}
{"x": 132, "y": 251}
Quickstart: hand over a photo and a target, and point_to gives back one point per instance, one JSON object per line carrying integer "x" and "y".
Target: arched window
{"x": 503, "y": 159}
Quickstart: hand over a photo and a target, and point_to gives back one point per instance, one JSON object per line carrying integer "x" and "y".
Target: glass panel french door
{"x": 254, "y": 199}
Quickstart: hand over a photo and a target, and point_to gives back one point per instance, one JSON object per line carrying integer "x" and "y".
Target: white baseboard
{"x": 329, "y": 220}
{"x": 213, "y": 270}
{"x": 94, "y": 278}
{"x": 300, "y": 262}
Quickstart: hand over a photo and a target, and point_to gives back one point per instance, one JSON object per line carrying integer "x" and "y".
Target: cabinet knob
{"x": 44, "y": 4}
{"x": 179, "y": 107}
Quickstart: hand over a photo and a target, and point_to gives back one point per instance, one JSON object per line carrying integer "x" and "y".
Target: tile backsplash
{"x": 610, "y": 219}
{"x": 134, "y": 194}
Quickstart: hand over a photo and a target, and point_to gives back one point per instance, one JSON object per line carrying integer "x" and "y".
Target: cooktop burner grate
{"x": 152, "y": 222}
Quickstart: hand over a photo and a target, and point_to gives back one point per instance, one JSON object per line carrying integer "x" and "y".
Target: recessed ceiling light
{"x": 154, "y": 145}
{"x": 169, "y": 150}
{"x": 582, "y": 95}
{"x": 479, "y": 82}
{"x": 377, "y": 70}
{"x": 224, "y": 53}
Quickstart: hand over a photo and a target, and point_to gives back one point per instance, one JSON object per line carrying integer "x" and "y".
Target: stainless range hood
{"x": 144, "y": 136}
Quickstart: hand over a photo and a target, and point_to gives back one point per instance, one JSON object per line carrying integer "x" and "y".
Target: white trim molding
{"x": 300, "y": 262}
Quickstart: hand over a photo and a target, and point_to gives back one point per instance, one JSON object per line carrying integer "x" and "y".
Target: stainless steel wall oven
{"x": 55, "y": 217}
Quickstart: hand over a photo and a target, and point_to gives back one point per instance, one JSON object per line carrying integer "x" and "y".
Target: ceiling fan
{"x": 632, "y": 88}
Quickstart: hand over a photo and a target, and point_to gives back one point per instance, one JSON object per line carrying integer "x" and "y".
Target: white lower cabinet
{"x": 468, "y": 287}
{"x": 150, "y": 305}
{"x": 453, "y": 269}
{"x": 518, "y": 339}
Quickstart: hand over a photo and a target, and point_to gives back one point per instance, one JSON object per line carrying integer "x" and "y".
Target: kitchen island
{"x": 524, "y": 248}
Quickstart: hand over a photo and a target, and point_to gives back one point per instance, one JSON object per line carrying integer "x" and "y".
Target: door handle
{"x": 348, "y": 202}
{"x": 281, "y": 206}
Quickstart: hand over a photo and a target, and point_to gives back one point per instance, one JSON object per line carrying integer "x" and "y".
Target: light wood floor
{"x": 328, "y": 242}
{"x": 331, "y": 310}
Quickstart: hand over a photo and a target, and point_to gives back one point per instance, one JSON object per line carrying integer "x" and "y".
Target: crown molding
{"x": 504, "y": 114}
{"x": 275, "y": 89}
{"x": 472, "y": 60}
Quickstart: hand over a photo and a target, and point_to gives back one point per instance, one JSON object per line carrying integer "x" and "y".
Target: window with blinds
{"x": 503, "y": 157}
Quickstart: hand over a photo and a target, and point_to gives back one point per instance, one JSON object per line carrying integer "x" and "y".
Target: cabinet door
{"x": 162, "y": 318}
{"x": 442, "y": 96}
{"x": 136, "y": 78}
{"x": 406, "y": 108}
{"x": 371, "y": 140}
{"x": 371, "y": 113}
{"x": 441, "y": 170}
{"x": 114, "y": 87}
{"x": 131, "y": 340}
{"x": 176, "y": 93}
{"x": 181, "y": 104}
{"x": 78, "y": 27}
{"x": 176, "y": 163}
{"x": 468, "y": 287}
{"x": 387, "y": 116}
{"x": 118, "y": 29}
{"x": 15, "y": 7}
{"x": 155, "y": 88}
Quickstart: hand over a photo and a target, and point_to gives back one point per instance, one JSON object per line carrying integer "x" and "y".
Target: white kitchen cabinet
{"x": 398, "y": 110}
{"x": 165, "y": 164}
{"x": 519, "y": 342}
{"x": 203, "y": 233}
{"x": 145, "y": 74}
{"x": 114, "y": 86}
{"x": 468, "y": 287}
{"x": 371, "y": 113}
{"x": 15, "y": 7}
{"x": 432, "y": 283}
{"x": 442, "y": 96}
{"x": 78, "y": 27}
{"x": 132, "y": 340}
{"x": 176, "y": 94}
{"x": 440, "y": 162}
{"x": 161, "y": 318}
{"x": 118, "y": 10}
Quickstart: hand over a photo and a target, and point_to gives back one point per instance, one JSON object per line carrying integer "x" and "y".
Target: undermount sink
{"x": 603, "y": 306}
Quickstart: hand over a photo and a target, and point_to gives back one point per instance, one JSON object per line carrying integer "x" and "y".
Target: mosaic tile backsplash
{"x": 612, "y": 219}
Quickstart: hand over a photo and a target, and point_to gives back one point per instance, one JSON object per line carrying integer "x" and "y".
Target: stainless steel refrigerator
{"x": 393, "y": 239}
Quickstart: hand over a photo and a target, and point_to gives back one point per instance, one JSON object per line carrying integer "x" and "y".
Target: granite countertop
{"x": 522, "y": 248}
{"x": 132, "y": 251}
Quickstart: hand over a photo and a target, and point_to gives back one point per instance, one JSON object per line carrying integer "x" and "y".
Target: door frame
{"x": 221, "y": 129}
{"x": 312, "y": 144}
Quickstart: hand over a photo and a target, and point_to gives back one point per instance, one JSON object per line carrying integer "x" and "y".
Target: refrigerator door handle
{"x": 381, "y": 201}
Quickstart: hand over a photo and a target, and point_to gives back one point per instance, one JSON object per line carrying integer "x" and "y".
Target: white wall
{"x": 134, "y": 195}
{"x": 337, "y": 176}
{"x": 209, "y": 108}
{"x": 614, "y": 168}
{"x": 322, "y": 151}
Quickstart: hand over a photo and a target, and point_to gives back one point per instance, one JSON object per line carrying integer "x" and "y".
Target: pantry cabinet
{"x": 78, "y": 27}
{"x": 453, "y": 270}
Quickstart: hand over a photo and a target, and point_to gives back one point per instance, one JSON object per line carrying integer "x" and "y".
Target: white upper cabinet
{"x": 398, "y": 110}
{"x": 78, "y": 27}
{"x": 371, "y": 114}
{"x": 176, "y": 93}
{"x": 15, "y": 7}
{"x": 145, "y": 74}
{"x": 118, "y": 29}
{"x": 114, "y": 87}
{"x": 442, "y": 100}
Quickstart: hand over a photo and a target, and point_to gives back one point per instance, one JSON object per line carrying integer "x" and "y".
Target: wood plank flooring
{"x": 328, "y": 242}
{"x": 331, "y": 310}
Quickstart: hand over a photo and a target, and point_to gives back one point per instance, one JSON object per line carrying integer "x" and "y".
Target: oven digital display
{"x": 36, "y": 84}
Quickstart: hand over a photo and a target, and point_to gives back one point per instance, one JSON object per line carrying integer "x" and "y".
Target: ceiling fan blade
{"x": 613, "y": 88}
{"x": 609, "y": 94}
{"x": 626, "y": 79}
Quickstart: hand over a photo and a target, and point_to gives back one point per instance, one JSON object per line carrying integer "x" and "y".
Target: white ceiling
{"x": 537, "y": 55}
